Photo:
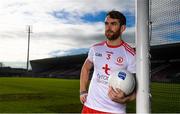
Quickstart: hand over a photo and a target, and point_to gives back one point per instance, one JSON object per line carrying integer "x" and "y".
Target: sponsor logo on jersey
{"x": 98, "y": 54}
{"x": 102, "y": 78}
{"x": 122, "y": 75}
{"x": 110, "y": 52}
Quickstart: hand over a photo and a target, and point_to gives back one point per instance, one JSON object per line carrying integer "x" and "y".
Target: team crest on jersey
{"x": 119, "y": 61}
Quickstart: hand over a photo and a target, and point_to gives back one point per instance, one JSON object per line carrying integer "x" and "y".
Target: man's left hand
{"x": 119, "y": 96}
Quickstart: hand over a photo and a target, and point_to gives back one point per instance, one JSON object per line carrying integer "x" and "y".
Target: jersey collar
{"x": 110, "y": 46}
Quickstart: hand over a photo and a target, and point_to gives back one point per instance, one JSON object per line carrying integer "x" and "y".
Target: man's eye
{"x": 106, "y": 23}
{"x": 114, "y": 23}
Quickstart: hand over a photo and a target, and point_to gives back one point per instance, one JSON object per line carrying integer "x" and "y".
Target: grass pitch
{"x": 39, "y": 95}
{"x": 50, "y": 95}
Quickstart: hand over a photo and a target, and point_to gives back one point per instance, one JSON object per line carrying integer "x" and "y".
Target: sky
{"x": 58, "y": 27}
{"x": 65, "y": 27}
{"x": 165, "y": 21}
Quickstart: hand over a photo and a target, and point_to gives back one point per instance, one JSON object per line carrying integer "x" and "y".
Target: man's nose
{"x": 108, "y": 27}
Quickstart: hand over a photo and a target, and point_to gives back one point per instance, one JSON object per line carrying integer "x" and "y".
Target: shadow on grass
{"x": 22, "y": 97}
{"x": 69, "y": 108}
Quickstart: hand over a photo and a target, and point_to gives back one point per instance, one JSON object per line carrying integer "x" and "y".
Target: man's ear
{"x": 123, "y": 28}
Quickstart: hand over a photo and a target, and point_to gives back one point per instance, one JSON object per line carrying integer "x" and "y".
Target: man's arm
{"x": 84, "y": 79}
{"x": 120, "y": 97}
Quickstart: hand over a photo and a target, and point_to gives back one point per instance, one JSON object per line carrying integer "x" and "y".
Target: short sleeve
{"x": 91, "y": 54}
{"x": 132, "y": 64}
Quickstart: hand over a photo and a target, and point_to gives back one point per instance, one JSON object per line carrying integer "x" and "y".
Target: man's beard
{"x": 114, "y": 36}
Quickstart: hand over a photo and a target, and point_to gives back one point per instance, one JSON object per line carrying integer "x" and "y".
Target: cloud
{"x": 56, "y": 25}
{"x": 165, "y": 21}
{"x": 61, "y": 26}
{"x": 69, "y": 52}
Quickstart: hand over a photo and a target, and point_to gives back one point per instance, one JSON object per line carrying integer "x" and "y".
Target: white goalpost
{"x": 142, "y": 56}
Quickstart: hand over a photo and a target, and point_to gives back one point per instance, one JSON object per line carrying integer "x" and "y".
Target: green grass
{"x": 165, "y": 97}
{"x": 50, "y": 95}
{"x": 39, "y": 95}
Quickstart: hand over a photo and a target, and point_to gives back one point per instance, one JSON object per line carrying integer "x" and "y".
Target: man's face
{"x": 112, "y": 28}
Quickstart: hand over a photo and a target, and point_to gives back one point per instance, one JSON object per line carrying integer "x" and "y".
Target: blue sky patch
{"x": 94, "y": 17}
{"x": 174, "y": 36}
{"x": 97, "y": 17}
{"x": 100, "y": 17}
{"x": 130, "y": 19}
{"x": 61, "y": 14}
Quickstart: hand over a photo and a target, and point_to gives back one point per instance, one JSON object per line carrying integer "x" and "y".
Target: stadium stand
{"x": 11, "y": 72}
{"x": 59, "y": 67}
{"x": 165, "y": 61}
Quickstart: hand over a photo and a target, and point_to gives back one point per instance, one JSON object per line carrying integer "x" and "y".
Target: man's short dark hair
{"x": 117, "y": 15}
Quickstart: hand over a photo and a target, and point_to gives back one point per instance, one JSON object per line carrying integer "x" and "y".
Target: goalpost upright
{"x": 142, "y": 56}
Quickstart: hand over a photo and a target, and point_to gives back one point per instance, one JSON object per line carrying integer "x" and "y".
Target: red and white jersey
{"x": 107, "y": 59}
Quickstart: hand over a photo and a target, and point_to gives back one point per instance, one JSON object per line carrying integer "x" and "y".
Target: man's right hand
{"x": 83, "y": 97}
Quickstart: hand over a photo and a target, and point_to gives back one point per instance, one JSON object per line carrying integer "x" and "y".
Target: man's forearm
{"x": 84, "y": 80}
{"x": 84, "y": 77}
